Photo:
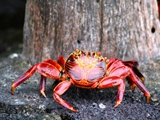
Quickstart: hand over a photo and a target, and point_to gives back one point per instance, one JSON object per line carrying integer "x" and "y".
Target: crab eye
{"x": 60, "y": 75}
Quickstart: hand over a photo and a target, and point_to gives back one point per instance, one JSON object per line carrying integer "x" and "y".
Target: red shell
{"x": 82, "y": 65}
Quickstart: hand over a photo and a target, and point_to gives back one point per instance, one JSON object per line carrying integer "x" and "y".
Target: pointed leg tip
{"x": 117, "y": 104}
{"x": 148, "y": 98}
{"x": 12, "y": 92}
{"x": 43, "y": 93}
{"x": 74, "y": 110}
{"x": 12, "y": 89}
{"x": 133, "y": 88}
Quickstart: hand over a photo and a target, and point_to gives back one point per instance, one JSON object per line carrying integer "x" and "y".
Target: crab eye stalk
{"x": 60, "y": 74}
{"x": 93, "y": 54}
{"x": 77, "y": 50}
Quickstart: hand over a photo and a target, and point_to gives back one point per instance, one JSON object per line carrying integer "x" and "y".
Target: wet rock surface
{"x": 94, "y": 104}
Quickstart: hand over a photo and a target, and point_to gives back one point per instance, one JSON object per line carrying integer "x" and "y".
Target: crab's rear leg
{"x": 60, "y": 89}
{"x": 111, "y": 82}
{"x": 133, "y": 65}
{"x": 112, "y": 66}
{"x": 125, "y": 71}
{"x": 140, "y": 85}
{"x": 131, "y": 83}
{"x": 23, "y": 77}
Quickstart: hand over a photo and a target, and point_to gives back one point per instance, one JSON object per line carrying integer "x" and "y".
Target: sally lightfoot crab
{"x": 86, "y": 70}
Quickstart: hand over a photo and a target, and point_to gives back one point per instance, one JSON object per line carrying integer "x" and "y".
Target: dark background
{"x": 11, "y": 26}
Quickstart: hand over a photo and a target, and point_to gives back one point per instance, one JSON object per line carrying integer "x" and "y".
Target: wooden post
{"x": 122, "y": 29}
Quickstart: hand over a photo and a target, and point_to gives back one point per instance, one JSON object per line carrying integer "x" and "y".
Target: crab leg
{"x": 114, "y": 81}
{"x": 125, "y": 71}
{"x": 131, "y": 83}
{"x": 23, "y": 78}
{"x": 133, "y": 62}
{"x": 133, "y": 65}
{"x": 48, "y": 69}
{"x": 113, "y": 63}
{"x": 43, "y": 85}
{"x": 54, "y": 63}
{"x": 61, "y": 61}
{"x": 61, "y": 89}
{"x": 140, "y": 86}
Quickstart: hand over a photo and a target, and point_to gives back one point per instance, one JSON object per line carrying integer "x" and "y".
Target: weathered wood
{"x": 131, "y": 29}
{"x": 127, "y": 29}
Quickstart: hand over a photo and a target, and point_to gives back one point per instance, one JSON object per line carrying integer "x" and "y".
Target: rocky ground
{"x": 28, "y": 104}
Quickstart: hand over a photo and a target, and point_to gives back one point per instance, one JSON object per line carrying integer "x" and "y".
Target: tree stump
{"x": 126, "y": 30}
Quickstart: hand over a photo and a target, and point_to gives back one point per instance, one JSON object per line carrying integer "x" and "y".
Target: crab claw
{"x": 48, "y": 69}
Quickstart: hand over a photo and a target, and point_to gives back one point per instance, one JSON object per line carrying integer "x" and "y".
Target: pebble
{"x": 148, "y": 115}
{"x": 94, "y": 104}
{"x": 101, "y": 105}
{"x": 14, "y": 55}
{"x": 154, "y": 99}
{"x": 42, "y": 107}
{"x": 18, "y": 102}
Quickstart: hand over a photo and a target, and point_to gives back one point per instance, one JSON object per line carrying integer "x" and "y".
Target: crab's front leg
{"x": 48, "y": 69}
{"x": 23, "y": 78}
{"x": 112, "y": 81}
{"x": 60, "y": 89}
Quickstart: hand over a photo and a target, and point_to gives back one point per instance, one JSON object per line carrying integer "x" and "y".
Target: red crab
{"x": 86, "y": 70}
